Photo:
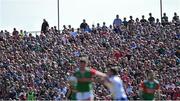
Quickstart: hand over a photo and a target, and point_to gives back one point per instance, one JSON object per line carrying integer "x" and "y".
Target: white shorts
{"x": 84, "y": 95}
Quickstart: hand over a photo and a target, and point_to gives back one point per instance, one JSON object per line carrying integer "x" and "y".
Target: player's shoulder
{"x": 156, "y": 81}
{"x": 87, "y": 68}
{"x": 117, "y": 77}
{"x": 145, "y": 81}
{"x": 114, "y": 78}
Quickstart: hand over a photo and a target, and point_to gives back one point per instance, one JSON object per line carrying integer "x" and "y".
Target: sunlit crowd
{"x": 37, "y": 66}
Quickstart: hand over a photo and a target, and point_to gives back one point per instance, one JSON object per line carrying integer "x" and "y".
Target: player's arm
{"x": 97, "y": 73}
{"x": 93, "y": 72}
{"x": 69, "y": 92}
{"x": 158, "y": 92}
{"x": 107, "y": 82}
{"x": 141, "y": 87}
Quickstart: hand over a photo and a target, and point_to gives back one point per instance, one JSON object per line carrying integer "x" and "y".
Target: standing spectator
{"x": 15, "y": 32}
{"x": 21, "y": 33}
{"x": 83, "y": 25}
{"x": 64, "y": 29}
{"x": 104, "y": 27}
{"x": 131, "y": 21}
{"x": 125, "y": 22}
{"x": 157, "y": 21}
{"x": 2, "y": 35}
{"x": 151, "y": 19}
{"x": 117, "y": 22}
{"x": 45, "y": 26}
{"x": 165, "y": 18}
{"x": 175, "y": 18}
{"x": 143, "y": 20}
{"x": 98, "y": 27}
{"x": 55, "y": 29}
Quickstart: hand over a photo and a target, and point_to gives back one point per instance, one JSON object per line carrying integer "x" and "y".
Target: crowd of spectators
{"x": 37, "y": 67}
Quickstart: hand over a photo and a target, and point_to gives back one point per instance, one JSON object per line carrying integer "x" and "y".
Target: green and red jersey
{"x": 84, "y": 86}
{"x": 149, "y": 88}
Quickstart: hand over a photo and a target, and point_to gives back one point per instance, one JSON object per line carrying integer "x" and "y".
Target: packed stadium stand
{"x": 37, "y": 67}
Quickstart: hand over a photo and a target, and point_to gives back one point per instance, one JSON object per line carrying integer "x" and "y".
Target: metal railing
{"x": 34, "y": 32}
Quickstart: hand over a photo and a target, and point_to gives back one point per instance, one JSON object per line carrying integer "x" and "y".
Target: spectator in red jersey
{"x": 176, "y": 94}
{"x": 118, "y": 54}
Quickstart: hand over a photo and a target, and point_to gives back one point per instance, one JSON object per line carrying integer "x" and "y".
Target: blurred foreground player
{"x": 84, "y": 80}
{"x": 150, "y": 87}
{"x": 115, "y": 85}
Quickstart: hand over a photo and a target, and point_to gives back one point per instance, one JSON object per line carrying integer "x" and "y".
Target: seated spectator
{"x": 87, "y": 29}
